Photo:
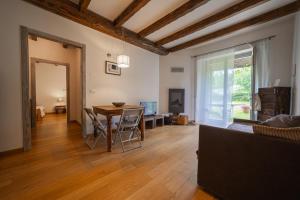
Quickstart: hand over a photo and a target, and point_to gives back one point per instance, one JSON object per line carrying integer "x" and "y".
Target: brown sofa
{"x": 238, "y": 165}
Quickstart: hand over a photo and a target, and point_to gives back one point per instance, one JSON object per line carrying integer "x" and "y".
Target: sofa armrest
{"x": 245, "y": 121}
{"x": 234, "y": 163}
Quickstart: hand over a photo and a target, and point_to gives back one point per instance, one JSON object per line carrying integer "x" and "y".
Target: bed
{"x": 40, "y": 112}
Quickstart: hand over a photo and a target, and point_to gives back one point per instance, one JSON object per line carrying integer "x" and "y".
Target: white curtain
{"x": 214, "y": 86}
{"x": 261, "y": 63}
{"x": 261, "y": 67}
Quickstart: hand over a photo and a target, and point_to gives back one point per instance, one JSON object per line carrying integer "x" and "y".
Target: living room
{"x": 173, "y": 48}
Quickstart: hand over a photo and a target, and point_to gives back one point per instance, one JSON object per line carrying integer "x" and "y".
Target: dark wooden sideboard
{"x": 274, "y": 101}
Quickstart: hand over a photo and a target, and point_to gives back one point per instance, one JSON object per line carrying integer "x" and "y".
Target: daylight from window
{"x": 224, "y": 86}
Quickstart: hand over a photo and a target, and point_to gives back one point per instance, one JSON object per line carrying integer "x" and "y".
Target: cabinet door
{"x": 283, "y": 98}
{"x": 268, "y": 101}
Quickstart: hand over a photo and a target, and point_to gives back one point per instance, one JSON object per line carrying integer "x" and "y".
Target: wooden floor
{"x": 61, "y": 166}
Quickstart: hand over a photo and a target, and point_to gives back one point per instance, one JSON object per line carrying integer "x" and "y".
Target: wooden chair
{"x": 99, "y": 129}
{"x": 128, "y": 128}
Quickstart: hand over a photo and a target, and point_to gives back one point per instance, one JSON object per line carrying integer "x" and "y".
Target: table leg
{"x": 109, "y": 133}
{"x": 142, "y": 127}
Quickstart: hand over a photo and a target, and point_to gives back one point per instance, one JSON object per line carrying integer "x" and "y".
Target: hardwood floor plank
{"x": 61, "y": 166}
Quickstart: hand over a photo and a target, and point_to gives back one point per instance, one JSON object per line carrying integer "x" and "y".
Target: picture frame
{"x": 112, "y": 68}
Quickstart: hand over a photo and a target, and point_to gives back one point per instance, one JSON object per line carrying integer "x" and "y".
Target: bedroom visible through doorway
{"x": 50, "y": 93}
{"x": 57, "y": 106}
{"x": 54, "y": 79}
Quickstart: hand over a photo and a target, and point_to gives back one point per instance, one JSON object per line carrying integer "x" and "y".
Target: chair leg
{"x": 131, "y": 135}
{"x": 103, "y": 133}
{"x": 139, "y": 135}
{"x": 93, "y": 145}
{"x": 115, "y": 138}
{"x": 97, "y": 134}
{"x": 121, "y": 141}
{"x": 133, "y": 132}
{"x": 95, "y": 131}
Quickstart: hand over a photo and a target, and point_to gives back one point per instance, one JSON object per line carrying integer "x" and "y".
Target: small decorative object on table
{"x": 118, "y": 104}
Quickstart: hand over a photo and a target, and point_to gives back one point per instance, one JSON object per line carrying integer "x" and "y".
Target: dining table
{"x": 109, "y": 111}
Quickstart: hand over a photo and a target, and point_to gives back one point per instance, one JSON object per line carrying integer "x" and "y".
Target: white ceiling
{"x": 198, "y": 14}
{"x": 230, "y": 21}
{"x": 245, "y": 30}
{"x": 109, "y": 9}
{"x": 151, "y": 12}
{"x": 156, "y": 9}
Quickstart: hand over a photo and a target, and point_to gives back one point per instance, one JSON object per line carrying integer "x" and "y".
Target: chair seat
{"x": 126, "y": 124}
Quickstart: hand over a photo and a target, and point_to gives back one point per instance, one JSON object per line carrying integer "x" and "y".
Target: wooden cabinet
{"x": 274, "y": 101}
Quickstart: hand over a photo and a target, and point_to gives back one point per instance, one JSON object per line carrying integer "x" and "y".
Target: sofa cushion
{"x": 283, "y": 121}
{"x": 286, "y": 133}
{"x": 241, "y": 127}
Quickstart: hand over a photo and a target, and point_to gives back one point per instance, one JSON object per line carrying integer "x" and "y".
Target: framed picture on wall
{"x": 112, "y": 68}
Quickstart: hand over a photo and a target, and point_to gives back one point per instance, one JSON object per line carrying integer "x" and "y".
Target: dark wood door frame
{"x": 33, "y": 62}
{"x": 26, "y": 104}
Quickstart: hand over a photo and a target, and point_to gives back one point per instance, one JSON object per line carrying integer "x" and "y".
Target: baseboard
{"x": 50, "y": 113}
{"x": 12, "y": 151}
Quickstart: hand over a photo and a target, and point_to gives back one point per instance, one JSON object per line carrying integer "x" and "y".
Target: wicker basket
{"x": 182, "y": 120}
{"x": 287, "y": 133}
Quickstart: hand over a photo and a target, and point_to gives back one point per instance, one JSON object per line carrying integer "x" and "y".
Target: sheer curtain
{"x": 214, "y": 86}
{"x": 261, "y": 67}
{"x": 261, "y": 51}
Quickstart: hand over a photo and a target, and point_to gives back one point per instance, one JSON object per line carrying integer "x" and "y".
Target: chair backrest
{"x": 130, "y": 118}
{"x": 94, "y": 118}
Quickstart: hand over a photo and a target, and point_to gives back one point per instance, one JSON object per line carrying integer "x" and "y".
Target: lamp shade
{"x": 59, "y": 99}
{"x": 123, "y": 61}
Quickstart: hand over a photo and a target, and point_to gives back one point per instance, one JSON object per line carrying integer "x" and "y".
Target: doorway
{"x": 28, "y": 89}
{"x": 50, "y": 89}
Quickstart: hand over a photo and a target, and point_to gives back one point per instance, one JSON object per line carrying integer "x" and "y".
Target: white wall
{"x": 139, "y": 82}
{"x": 176, "y": 80}
{"x": 50, "y": 85}
{"x": 281, "y": 51}
{"x": 54, "y": 51}
{"x": 297, "y": 64}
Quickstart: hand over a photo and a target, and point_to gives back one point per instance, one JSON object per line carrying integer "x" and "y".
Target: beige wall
{"x": 50, "y": 85}
{"x": 139, "y": 82}
{"x": 281, "y": 51}
{"x": 49, "y": 50}
{"x": 183, "y": 80}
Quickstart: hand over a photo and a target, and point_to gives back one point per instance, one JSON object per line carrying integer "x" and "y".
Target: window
{"x": 224, "y": 86}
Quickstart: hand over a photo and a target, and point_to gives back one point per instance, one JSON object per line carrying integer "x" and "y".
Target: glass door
{"x": 224, "y": 86}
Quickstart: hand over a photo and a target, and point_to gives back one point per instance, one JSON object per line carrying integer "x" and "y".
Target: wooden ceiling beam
{"x": 172, "y": 16}
{"x": 222, "y": 15}
{"x": 84, "y": 4}
{"x": 271, "y": 15}
{"x": 67, "y": 9}
{"x": 133, "y": 8}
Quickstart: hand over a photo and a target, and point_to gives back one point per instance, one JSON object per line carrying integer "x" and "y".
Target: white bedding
{"x": 42, "y": 109}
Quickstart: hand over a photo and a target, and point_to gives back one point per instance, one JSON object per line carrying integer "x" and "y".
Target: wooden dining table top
{"x": 113, "y": 110}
